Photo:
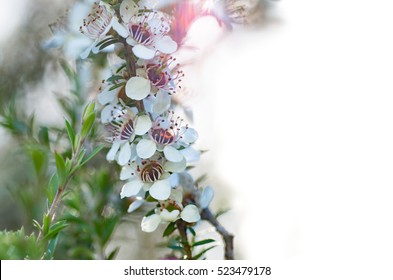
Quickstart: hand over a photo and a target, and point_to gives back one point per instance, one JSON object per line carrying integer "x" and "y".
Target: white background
{"x": 300, "y": 113}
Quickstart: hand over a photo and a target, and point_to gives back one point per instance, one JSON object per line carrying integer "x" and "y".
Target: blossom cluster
{"x": 148, "y": 140}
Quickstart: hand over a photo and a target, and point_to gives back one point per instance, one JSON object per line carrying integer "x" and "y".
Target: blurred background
{"x": 295, "y": 110}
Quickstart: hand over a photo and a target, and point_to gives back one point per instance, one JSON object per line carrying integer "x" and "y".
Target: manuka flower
{"x": 170, "y": 136}
{"x": 123, "y": 125}
{"x": 97, "y": 26}
{"x": 171, "y": 210}
{"x": 148, "y": 33}
{"x": 149, "y": 175}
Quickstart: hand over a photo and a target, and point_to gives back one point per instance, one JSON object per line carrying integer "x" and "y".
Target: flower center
{"x": 141, "y": 34}
{"x": 151, "y": 172}
{"x": 162, "y": 136}
{"x": 127, "y": 130}
{"x": 156, "y": 76}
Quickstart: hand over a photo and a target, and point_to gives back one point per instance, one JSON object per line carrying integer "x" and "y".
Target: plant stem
{"x": 181, "y": 226}
{"x": 131, "y": 68}
{"x": 226, "y": 236}
{"x": 57, "y": 199}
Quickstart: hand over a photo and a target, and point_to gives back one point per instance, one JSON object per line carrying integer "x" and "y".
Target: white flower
{"x": 148, "y": 33}
{"x": 170, "y": 211}
{"x": 149, "y": 175}
{"x": 97, "y": 26}
{"x": 166, "y": 135}
{"x": 123, "y": 125}
{"x": 164, "y": 73}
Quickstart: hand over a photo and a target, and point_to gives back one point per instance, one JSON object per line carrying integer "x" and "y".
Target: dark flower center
{"x": 162, "y": 136}
{"x": 156, "y": 76}
{"x": 151, "y": 172}
{"x": 140, "y": 34}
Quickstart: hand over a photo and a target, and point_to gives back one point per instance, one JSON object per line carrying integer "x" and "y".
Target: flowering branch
{"x": 152, "y": 145}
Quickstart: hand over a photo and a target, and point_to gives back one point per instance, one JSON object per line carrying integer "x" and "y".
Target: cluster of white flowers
{"x": 152, "y": 145}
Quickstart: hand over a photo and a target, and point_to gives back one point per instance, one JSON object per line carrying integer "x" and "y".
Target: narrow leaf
{"x": 169, "y": 229}
{"x": 71, "y": 133}
{"x": 87, "y": 124}
{"x": 92, "y": 154}
{"x": 203, "y": 242}
{"x": 61, "y": 168}
{"x": 198, "y": 256}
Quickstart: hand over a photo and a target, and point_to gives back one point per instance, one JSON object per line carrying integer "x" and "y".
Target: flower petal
{"x": 143, "y": 124}
{"x": 146, "y": 148}
{"x": 175, "y": 166}
{"x": 191, "y": 154}
{"x": 143, "y": 52}
{"x": 135, "y": 205}
{"x": 206, "y": 197}
{"x": 106, "y": 96}
{"x": 166, "y": 45}
{"x": 127, "y": 172}
{"x": 160, "y": 189}
{"x": 113, "y": 151}
{"x": 172, "y": 154}
{"x": 150, "y": 223}
{"x": 162, "y": 102}
{"x": 137, "y": 88}
{"x": 131, "y": 188}
{"x": 107, "y": 114}
{"x": 124, "y": 154}
{"x": 190, "y": 214}
{"x": 169, "y": 216}
{"x": 177, "y": 195}
{"x": 189, "y": 136}
{"x": 127, "y": 9}
{"x": 120, "y": 29}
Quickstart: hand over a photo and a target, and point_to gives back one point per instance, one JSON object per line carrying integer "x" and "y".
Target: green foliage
{"x": 17, "y": 245}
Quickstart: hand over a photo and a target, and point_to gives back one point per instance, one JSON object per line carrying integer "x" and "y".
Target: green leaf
{"x": 53, "y": 186}
{"x": 88, "y": 122}
{"x": 198, "y": 256}
{"x": 67, "y": 70}
{"x": 113, "y": 254}
{"x": 200, "y": 179}
{"x": 92, "y": 154}
{"x": 43, "y": 136}
{"x": 37, "y": 225}
{"x": 117, "y": 86}
{"x": 61, "y": 168}
{"x": 176, "y": 247}
{"x": 39, "y": 159}
{"x": 104, "y": 41}
{"x": 221, "y": 212}
{"x": 114, "y": 78}
{"x": 51, "y": 248}
{"x": 108, "y": 43}
{"x": 46, "y": 224}
{"x": 192, "y": 231}
{"x": 71, "y": 133}
{"x": 89, "y": 109}
{"x": 151, "y": 212}
{"x": 55, "y": 229}
{"x": 169, "y": 229}
{"x": 121, "y": 68}
{"x": 203, "y": 242}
